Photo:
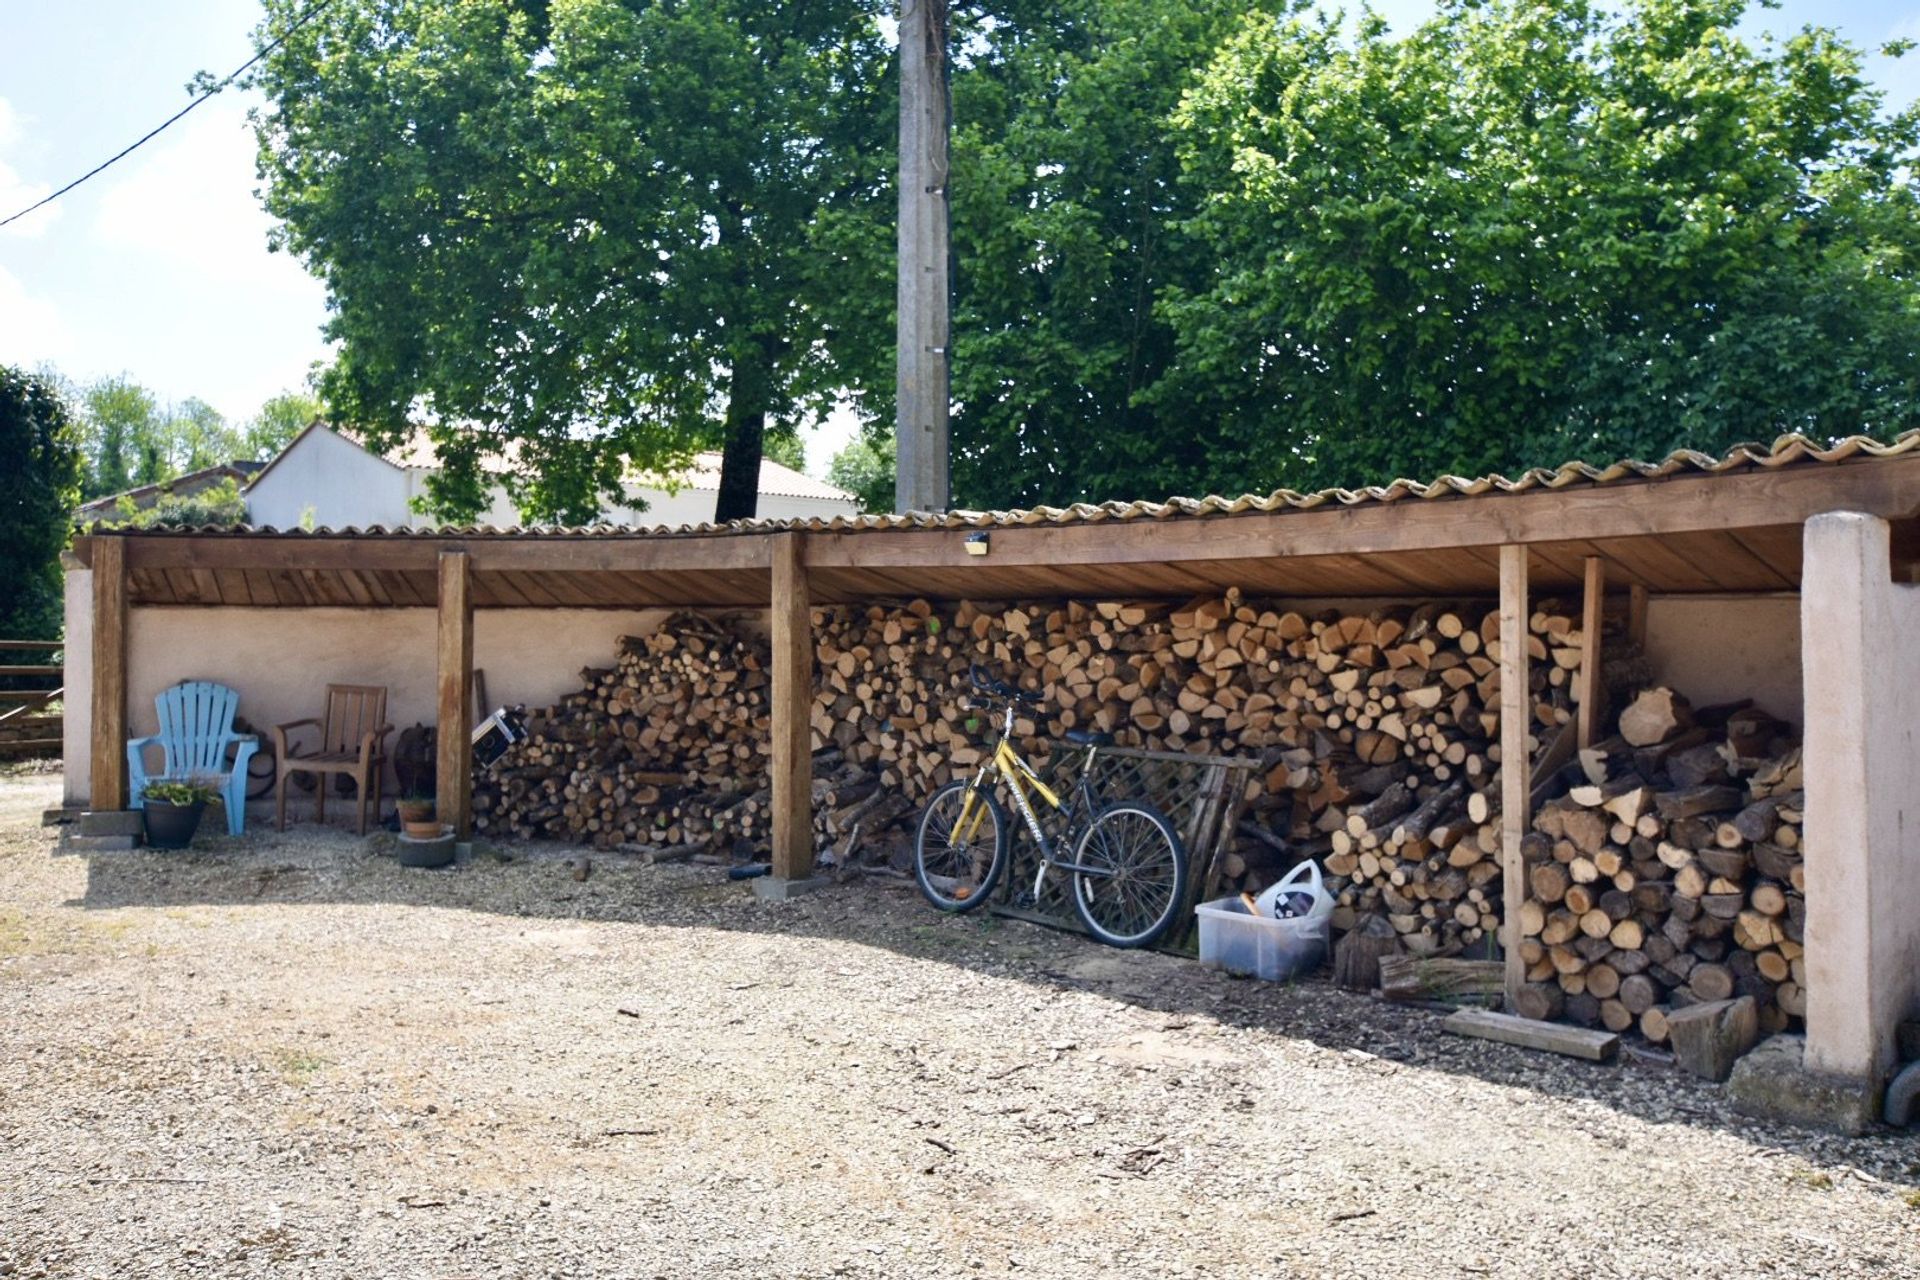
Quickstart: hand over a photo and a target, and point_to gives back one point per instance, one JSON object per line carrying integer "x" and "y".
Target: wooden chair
{"x": 353, "y": 741}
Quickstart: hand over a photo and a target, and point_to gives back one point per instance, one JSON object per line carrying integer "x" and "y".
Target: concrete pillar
{"x": 1860, "y": 634}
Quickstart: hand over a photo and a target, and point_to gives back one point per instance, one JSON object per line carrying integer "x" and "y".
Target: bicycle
{"x": 1128, "y": 868}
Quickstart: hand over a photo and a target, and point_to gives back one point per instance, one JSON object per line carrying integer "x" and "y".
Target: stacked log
{"x": 1376, "y": 732}
{"x": 1670, "y": 875}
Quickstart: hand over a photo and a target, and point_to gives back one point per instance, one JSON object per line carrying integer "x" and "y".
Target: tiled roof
{"x": 1787, "y": 451}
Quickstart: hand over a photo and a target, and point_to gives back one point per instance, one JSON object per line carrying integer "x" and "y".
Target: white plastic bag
{"x": 1306, "y": 879}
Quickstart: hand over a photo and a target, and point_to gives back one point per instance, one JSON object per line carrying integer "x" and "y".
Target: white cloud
{"x": 32, "y": 330}
{"x": 16, "y": 193}
{"x": 189, "y": 196}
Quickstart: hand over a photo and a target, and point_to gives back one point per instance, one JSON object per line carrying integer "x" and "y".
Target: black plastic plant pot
{"x": 171, "y": 826}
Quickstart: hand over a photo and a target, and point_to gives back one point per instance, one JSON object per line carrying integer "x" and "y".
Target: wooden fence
{"x": 29, "y": 727}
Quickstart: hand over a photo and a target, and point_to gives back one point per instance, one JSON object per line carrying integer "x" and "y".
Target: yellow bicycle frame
{"x": 1020, "y": 776}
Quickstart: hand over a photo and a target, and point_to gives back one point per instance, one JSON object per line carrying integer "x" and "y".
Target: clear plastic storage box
{"x": 1274, "y": 950}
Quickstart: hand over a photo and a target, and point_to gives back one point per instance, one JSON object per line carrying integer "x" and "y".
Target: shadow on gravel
{"x": 329, "y": 866}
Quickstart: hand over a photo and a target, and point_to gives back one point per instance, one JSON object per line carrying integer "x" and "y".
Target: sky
{"x": 159, "y": 268}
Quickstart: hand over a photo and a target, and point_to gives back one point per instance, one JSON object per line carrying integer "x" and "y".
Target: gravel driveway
{"x": 288, "y": 1056}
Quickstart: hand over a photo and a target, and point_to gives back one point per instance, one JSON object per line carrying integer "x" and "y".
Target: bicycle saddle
{"x": 1088, "y": 738}
{"x": 1001, "y": 689}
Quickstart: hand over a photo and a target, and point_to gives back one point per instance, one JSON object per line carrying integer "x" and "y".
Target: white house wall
{"x": 338, "y": 482}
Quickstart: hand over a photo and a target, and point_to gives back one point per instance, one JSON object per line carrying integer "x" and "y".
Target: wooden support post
{"x": 108, "y": 789}
{"x": 1591, "y": 689}
{"x": 1516, "y": 764}
{"x": 922, "y": 376}
{"x": 1637, "y": 616}
{"x": 453, "y": 731}
{"x": 792, "y": 630}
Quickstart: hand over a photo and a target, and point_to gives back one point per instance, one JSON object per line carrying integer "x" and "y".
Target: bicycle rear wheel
{"x": 1134, "y": 880}
{"x": 960, "y": 846}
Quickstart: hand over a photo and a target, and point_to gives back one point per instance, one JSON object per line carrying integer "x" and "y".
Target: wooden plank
{"x": 1637, "y": 617}
{"x": 453, "y": 737}
{"x": 1554, "y": 1037}
{"x": 1588, "y": 690}
{"x": 108, "y": 789}
{"x": 1515, "y": 759}
{"x": 792, "y": 636}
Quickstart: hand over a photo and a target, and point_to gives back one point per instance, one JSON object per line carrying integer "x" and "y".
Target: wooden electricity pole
{"x": 923, "y": 373}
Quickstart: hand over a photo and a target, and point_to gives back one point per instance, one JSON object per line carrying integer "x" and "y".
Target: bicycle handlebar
{"x": 996, "y": 688}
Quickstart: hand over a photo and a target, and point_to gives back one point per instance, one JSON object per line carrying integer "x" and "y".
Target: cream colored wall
{"x": 1863, "y": 797}
{"x": 1723, "y": 648}
{"x": 281, "y": 660}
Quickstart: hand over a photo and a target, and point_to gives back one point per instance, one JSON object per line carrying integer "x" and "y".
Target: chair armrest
{"x": 368, "y": 739}
{"x": 280, "y": 735}
{"x": 244, "y": 745}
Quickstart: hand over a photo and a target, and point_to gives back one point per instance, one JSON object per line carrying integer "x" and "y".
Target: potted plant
{"x": 416, "y": 815}
{"x": 173, "y": 807}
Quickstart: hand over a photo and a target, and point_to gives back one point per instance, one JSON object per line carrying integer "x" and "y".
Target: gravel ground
{"x": 288, "y": 1056}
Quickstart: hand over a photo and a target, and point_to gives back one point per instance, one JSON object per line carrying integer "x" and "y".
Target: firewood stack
{"x": 1376, "y": 732}
{"x": 1670, "y": 875}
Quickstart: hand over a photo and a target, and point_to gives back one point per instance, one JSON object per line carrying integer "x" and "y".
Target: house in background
{"x": 184, "y": 486}
{"x": 325, "y": 478}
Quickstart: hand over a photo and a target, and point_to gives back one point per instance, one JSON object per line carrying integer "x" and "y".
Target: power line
{"x": 239, "y": 71}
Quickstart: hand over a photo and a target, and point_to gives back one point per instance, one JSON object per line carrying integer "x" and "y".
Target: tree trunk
{"x": 747, "y": 397}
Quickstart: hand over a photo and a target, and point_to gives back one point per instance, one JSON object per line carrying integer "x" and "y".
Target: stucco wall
{"x": 339, "y": 482}
{"x": 1723, "y": 648}
{"x": 281, "y": 660}
{"x": 77, "y": 710}
{"x": 1863, "y": 797}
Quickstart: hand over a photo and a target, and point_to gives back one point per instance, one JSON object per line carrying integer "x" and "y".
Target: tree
{"x": 1069, "y": 219}
{"x": 584, "y": 237}
{"x": 118, "y": 419}
{"x": 40, "y": 473}
{"x": 1539, "y": 229}
{"x": 279, "y": 420}
{"x": 866, "y": 469}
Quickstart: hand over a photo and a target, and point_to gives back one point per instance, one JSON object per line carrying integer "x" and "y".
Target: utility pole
{"x": 923, "y": 379}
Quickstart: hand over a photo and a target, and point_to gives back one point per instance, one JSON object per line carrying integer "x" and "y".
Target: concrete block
{"x": 76, "y": 843}
{"x": 1772, "y": 1083}
{"x": 773, "y": 889}
{"x": 112, "y": 822}
{"x": 1903, "y": 1097}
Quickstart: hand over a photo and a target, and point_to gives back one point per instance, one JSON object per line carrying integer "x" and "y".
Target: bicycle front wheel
{"x": 1133, "y": 876}
{"x": 960, "y": 846}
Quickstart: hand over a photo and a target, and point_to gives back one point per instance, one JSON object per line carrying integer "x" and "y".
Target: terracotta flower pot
{"x": 412, "y": 812}
{"x": 427, "y": 830}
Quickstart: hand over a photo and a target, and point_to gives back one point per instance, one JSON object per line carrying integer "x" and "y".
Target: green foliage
{"x": 866, "y": 468}
{"x": 40, "y": 469}
{"x": 1537, "y": 229}
{"x": 131, "y": 439}
{"x": 787, "y": 449}
{"x": 585, "y": 237}
{"x": 1068, "y": 221}
{"x": 219, "y": 505}
{"x": 279, "y": 420}
{"x": 179, "y": 792}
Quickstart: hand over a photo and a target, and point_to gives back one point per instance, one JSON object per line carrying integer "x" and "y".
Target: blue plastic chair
{"x": 196, "y": 729}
